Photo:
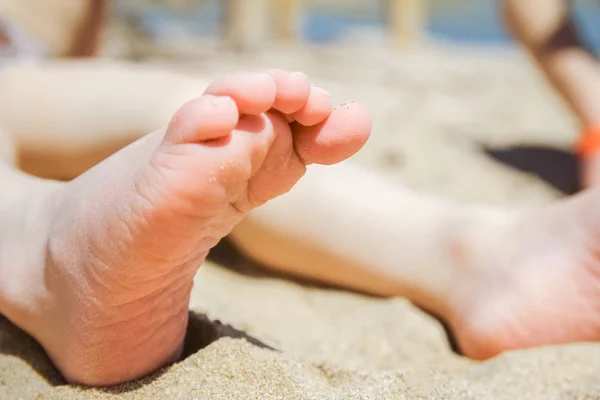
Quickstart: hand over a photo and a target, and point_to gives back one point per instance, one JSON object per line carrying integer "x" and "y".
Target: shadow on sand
{"x": 558, "y": 168}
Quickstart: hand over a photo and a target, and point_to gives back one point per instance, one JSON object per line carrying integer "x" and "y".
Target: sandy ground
{"x": 432, "y": 109}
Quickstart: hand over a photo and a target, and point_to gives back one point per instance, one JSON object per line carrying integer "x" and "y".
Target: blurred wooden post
{"x": 246, "y": 23}
{"x": 286, "y": 17}
{"x": 406, "y": 21}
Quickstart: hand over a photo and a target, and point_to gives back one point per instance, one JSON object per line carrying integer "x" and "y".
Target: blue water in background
{"x": 463, "y": 21}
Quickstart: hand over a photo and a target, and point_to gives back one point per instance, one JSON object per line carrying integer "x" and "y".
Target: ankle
{"x": 477, "y": 233}
{"x": 479, "y": 237}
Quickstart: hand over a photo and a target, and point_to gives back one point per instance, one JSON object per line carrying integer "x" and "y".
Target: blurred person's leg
{"x": 547, "y": 29}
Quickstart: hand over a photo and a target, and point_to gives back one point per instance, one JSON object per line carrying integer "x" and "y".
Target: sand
{"x": 432, "y": 109}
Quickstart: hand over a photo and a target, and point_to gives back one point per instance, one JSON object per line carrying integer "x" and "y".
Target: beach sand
{"x": 432, "y": 109}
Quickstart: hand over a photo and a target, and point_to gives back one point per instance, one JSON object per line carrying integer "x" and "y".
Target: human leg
{"x": 548, "y": 31}
{"x": 502, "y": 279}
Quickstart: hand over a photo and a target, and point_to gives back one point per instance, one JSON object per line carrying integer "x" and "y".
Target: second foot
{"x": 534, "y": 282}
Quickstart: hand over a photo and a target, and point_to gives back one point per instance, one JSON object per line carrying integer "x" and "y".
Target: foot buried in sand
{"x": 104, "y": 275}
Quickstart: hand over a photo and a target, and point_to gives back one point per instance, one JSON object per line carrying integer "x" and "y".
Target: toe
{"x": 340, "y": 136}
{"x": 279, "y": 171}
{"x": 316, "y": 109}
{"x": 205, "y": 118}
{"x": 293, "y": 90}
{"x": 254, "y": 93}
{"x": 200, "y": 179}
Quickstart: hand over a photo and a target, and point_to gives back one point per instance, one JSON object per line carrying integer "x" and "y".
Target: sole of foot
{"x": 99, "y": 270}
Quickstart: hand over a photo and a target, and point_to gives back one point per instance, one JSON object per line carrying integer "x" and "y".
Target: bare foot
{"x": 535, "y": 281}
{"x": 99, "y": 270}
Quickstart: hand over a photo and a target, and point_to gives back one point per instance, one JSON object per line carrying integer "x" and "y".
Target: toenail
{"x": 264, "y": 75}
{"x": 318, "y": 89}
{"x": 298, "y": 74}
{"x": 220, "y": 100}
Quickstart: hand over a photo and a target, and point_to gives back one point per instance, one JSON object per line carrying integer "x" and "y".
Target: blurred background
{"x": 325, "y": 21}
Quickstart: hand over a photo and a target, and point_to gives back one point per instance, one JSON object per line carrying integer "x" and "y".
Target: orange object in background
{"x": 589, "y": 142}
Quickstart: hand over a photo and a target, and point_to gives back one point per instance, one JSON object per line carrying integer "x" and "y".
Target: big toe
{"x": 208, "y": 155}
{"x": 339, "y": 137}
